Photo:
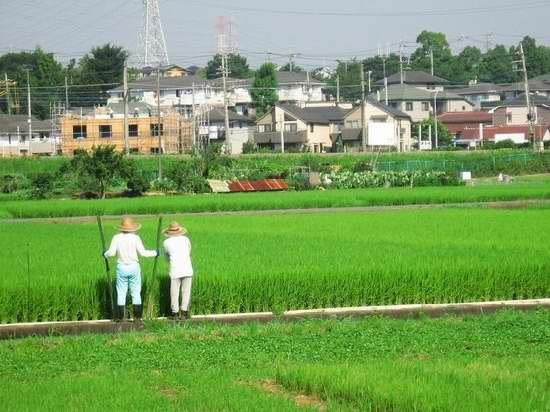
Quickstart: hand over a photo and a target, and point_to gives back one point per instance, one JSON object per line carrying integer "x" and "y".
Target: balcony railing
{"x": 275, "y": 137}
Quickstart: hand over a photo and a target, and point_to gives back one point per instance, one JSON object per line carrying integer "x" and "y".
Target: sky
{"x": 318, "y": 31}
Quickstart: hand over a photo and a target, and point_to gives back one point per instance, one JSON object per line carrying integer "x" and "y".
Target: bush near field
{"x": 189, "y": 173}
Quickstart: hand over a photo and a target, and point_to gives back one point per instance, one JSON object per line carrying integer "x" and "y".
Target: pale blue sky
{"x": 322, "y": 31}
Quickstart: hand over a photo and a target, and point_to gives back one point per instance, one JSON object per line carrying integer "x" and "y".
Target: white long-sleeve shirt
{"x": 178, "y": 253}
{"x": 126, "y": 247}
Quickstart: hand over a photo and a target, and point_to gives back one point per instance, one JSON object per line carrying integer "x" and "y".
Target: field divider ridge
{"x": 20, "y": 330}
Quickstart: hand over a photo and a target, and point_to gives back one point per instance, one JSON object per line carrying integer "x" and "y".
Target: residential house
{"x": 170, "y": 70}
{"x": 83, "y": 129}
{"x": 481, "y": 94}
{"x": 456, "y": 122}
{"x": 514, "y": 111}
{"x": 299, "y": 128}
{"x": 187, "y": 92}
{"x": 519, "y": 134}
{"x": 15, "y": 139}
{"x": 539, "y": 85}
{"x": 415, "y": 78}
{"x": 241, "y": 129}
{"x": 386, "y": 127}
{"x": 419, "y": 103}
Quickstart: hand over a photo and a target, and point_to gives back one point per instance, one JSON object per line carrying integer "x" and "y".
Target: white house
{"x": 186, "y": 91}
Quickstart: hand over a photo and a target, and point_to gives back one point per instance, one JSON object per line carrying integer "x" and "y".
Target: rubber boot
{"x": 120, "y": 313}
{"x": 137, "y": 313}
{"x": 184, "y": 315}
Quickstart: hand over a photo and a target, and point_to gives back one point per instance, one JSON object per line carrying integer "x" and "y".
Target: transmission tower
{"x": 152, "y": 43}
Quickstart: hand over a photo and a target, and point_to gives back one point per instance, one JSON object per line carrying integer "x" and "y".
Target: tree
{"x": 469, "y": 63}
{"x": 96, "y": 171}
{"x": 44, "y": 72}
{"x": 444, "y": 61}
{"x": 376, "y": 65}
{"x": 264, "y": 89}
{"x": 444, "y": 137}
{"x": 349, "y": 74}
{"x": 537, "y": 57}
{"x": 497, "y": 67}
{"x": 295, "y": 68}
{"x": 103, "y": 66}
{"x": 237, "y": 64}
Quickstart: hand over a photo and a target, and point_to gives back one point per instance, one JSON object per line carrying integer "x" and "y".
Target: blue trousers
{"x": 128, "y": 276}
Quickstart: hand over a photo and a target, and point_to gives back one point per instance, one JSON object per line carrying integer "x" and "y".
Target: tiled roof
{"x": 317, "y": 115}
{"x": 479, "y": 88}
{"x": 10, "y": 123}
{"x": 465, "y": 117}
{"x": 218, "y": 115}
{"x": 413, "y": 77}
{"x": 399, "y": 92}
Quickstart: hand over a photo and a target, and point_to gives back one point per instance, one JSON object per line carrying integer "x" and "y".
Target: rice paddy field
{"x": 250, "y": 263}
{"x": 498, "y": 363}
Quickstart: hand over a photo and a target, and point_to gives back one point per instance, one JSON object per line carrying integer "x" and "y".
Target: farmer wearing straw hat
{"x": 126, "y": 245}
{"x": 178, "y": 252}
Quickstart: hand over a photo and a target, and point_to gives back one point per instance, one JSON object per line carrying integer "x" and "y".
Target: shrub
{"x": 505, "y": 144}
{"x": 187, "y": 177}
{"x": 42, "y": 185}
{"x": 136, "y": 182}
{"x": 11, "y": 183}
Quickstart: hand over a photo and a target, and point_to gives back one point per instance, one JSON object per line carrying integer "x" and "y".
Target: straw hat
{"x": 175, "y": 230}
{"x": 128, "y": 225}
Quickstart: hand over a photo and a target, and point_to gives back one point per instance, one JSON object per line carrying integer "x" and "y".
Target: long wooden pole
{"x": 107, "y": 268}
{"x": 154, "y": 274}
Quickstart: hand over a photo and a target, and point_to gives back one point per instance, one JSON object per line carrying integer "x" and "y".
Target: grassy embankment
{"x": 522, "y": 190}
{"x": 290, "y": 261}
{"x": 490, "y": 363}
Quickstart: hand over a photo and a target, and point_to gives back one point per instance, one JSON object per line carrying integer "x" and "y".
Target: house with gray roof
{"x": 241, "y": 129}
{"x": 386, "y": 128}
{"x": 514, "y": 111}
{"x": 299, "y": 128}
{"x": 15, "y": 139}
{"x": 417, "y": 79}
{"x": 480, "y": 93}
{"x": 419, "y": 103}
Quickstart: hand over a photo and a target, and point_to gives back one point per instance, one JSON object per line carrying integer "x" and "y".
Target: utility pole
{"x": 432, "y": 60}
{"x": 66, "y": 94}
{"x": 225, "y": 73}
{"x": 29, "y": 108}
{"x": 125, "y": 97}
{"x": 193, "y": 127}
{"x": 363, "y": 122}
{"x": 435, "y": 120}
{"x": 338, "y": 89}
{"x": 401, "y": 60}
{"x": 8, "y": 102}
{"x": 370, "y": 81}
{"x": 282, "y": 131}
{"x": 528, "y": 103}
{"x": 158, "y": 126}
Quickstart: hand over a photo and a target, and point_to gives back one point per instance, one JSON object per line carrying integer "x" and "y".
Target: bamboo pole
{"x": 153, "y": 281}
{"x": 107, "y": 268}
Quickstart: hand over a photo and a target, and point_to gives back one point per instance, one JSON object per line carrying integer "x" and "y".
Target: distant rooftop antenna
{"x": 152, "y": 43}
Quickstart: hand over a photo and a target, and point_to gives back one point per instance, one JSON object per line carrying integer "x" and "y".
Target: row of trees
{"x": 88, "y": 79}
{"x": 97, "y": 71}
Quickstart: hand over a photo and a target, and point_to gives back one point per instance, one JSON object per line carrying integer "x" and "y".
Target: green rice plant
{"x": 290, "y": 261}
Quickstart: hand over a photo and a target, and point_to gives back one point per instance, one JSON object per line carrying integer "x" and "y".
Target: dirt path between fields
{"x": 511, "y": 204}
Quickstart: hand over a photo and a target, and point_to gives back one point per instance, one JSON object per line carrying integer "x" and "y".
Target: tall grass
{"x": 270, "y": 201}
{"x": 279, "y": 262}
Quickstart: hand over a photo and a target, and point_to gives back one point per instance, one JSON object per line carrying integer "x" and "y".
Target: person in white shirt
{"x": 178, "y": 253}
{"x": 126, "y": 246}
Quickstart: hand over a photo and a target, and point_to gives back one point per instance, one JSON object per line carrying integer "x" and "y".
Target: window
{"x": 291, "y": 127}
{"x": 264, "y": 128}
{"x": 134, "y": 150}
{"x": 79, "y": 132}
{"x": 463, "y": 108}
{"x": 509, "y": 117}
{"x": 133, "y": 130}
{"x": 409, "y": 106}
{"x": 430, "y": 86}
{"x": 105, "y": 131}
{"x": 311, "y": 128}
{"x": 425, "y": 106}
{"x": 154, "y": 127}
{"x": 353, "y": 124}
{"x": 154, "y": 150}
